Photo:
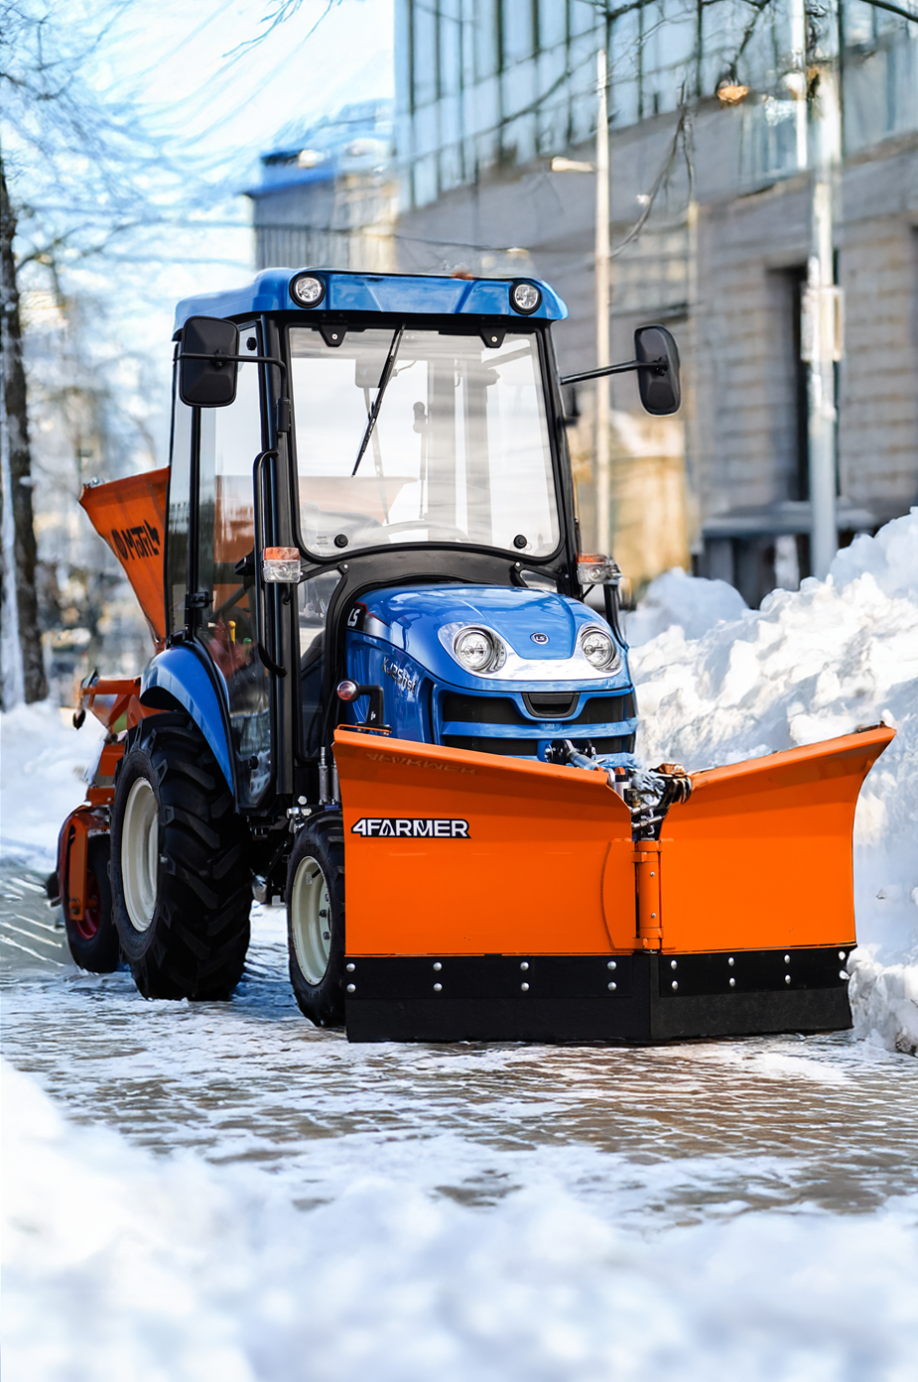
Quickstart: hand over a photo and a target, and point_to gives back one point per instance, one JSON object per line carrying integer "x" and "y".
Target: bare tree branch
{"x": 278, "y": 13}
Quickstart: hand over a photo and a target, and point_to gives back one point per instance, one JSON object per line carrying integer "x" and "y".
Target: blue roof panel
{"x": 417, "y": 294}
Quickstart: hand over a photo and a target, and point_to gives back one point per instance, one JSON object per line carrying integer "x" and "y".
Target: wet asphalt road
{"x": 650, "y": 1137}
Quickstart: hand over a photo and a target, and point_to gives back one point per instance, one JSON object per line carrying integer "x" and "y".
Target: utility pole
{"x": 603, "y": 356}
{"x": 821, "y": 323}
{"x": 822, "y": 306}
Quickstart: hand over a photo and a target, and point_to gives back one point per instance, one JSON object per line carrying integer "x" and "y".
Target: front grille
{"x": 480, "y": 710}
{"x": 561, "y": 705}
{"x": 551, "y": 705}
{"x": 542, "y": 705}
{"x": 513, "y": 748}
{"x": 527, "y": 748}
{"x": 619, "y": 744}
{"x": 606, "y": 710}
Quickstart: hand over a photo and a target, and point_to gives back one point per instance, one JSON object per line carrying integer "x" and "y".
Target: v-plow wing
{"x": 490, "y": 898}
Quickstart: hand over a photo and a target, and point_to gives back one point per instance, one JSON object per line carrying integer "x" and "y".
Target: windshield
{"x": 458, "y": 451}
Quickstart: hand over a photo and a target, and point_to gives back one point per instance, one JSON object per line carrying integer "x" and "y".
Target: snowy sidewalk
{"x": 256, "y": 1200}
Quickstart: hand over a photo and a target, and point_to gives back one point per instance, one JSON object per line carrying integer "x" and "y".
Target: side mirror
{"x": 207, "y": 363}
{"x": 661, "y": 391}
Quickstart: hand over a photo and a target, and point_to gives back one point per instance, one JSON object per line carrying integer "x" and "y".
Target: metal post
{"x": 603, "y": 356}
{"x": 821, "y": 425}
{"x": 796, "y": 81}
{"x": 821, "y": 324}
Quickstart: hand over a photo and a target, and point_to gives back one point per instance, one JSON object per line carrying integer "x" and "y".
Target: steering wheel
{"x": 455, "y": 534}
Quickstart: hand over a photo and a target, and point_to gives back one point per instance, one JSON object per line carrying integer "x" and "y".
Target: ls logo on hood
{"x": 539, "y": 638}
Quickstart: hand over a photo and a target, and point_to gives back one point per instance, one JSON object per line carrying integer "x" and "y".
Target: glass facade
{"x": 488, "y": 82}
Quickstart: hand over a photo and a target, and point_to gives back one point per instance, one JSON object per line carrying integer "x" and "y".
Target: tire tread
{"x": 199, "y": 936}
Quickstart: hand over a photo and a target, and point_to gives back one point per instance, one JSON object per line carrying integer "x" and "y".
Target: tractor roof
{"x": 417, "y": 294}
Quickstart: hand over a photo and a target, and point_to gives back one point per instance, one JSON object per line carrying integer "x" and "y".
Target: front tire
{"x": 181, "y": 884}
{"x": 315, "y": 920}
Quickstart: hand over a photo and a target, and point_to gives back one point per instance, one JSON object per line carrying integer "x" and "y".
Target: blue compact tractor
{"x": 376, "y": 677}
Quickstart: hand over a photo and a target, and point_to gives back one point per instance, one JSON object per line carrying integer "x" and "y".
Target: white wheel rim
{"x": 311, "y": 930}
{"x": 140, "y": 854}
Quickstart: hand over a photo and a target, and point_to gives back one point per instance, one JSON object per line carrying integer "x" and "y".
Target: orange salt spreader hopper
{"x": 130, "y": 515}
{"x": 519, "y": 907}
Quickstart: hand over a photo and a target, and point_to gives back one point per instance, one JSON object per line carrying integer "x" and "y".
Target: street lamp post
{"x": 602, "y": 262}
{"x": 603, "y": 355}
{"x": 819, "y": 148}
{"x": 821, "y": 331}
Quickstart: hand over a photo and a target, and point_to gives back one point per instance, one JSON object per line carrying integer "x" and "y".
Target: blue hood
{"x": 411, "y": 618}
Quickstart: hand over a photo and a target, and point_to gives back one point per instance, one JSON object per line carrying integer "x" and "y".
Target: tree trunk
{"x": 20, "y": 563}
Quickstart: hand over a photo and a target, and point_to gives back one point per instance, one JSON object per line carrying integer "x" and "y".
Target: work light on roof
{"x": 525, "y": 297}
{"x": 307, "y": 290}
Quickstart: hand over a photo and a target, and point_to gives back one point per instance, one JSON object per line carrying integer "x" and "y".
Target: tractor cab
{"x": 370, "y": 484}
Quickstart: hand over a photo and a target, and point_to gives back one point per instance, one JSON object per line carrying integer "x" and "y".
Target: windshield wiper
{"x": 380, "y": 391}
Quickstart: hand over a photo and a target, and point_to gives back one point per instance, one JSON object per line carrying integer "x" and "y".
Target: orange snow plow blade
{"x": 494, "y": 898}
{"x": 760, "y": 855}
{"x": 514, "y": 856}
{"x": 130, "y": 515}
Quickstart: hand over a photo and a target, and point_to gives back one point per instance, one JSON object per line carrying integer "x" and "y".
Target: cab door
{"x": 228, "y": 441}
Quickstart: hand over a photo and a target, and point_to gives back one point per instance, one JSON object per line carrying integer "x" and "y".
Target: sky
{"x": 193, "y": 75}
{"x": 224, "y": 99}
{"x": 200, "y": 74}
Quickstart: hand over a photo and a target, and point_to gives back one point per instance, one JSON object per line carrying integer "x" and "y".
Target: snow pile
{"x": 43, "y": 763}
{"x": 687, "y": 602}
{"x": 117, "y": 1264}
{"x": 808, "y": 666}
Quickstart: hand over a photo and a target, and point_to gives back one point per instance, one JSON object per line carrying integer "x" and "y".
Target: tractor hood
{"x": 539, "y": 629}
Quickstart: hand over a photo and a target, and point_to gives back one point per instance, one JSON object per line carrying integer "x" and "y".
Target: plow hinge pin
{"x": 437, "y": 965}
{"x": 787, "y": 978}
{"x": 612, "y": 965}
{"x": 351, "y": 967}
{"x": 731, "y": 961}
{"x": 613, "y": 986}
{"x": 524, "y": 965}
{"x": 675, "y": 984}
{"x": 732, "y": 982}
{"x": 352, "y": 988}
{"x": 524, "y": 987}
{"x": 674, "y": 964}
{"x": 438, "y": 988}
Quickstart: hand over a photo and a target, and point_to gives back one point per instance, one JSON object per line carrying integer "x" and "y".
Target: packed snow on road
{"x": 222, "y": 1190}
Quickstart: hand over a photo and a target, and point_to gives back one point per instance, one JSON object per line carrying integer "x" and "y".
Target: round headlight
{"x": 598, "y": 649}
{"x": 525, "y": 297}
{"x": 477, "y": 650}
{"x": 307, "y": 290}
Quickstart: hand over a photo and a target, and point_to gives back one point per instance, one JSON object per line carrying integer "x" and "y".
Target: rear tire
{"x": 315, "y": 920}
{"x": 181, "y": 883}
{"x": 94, "y": 941}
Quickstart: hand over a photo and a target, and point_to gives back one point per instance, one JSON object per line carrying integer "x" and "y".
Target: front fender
{"x": 181, "y": 673}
